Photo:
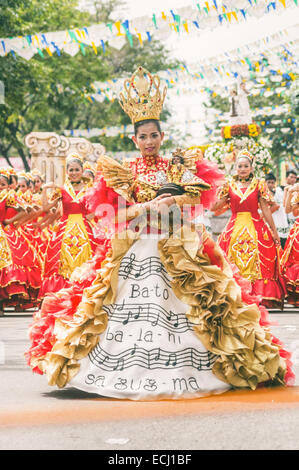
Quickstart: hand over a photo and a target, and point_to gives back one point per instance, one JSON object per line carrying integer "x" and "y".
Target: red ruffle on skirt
{"x": 19, "y": 284}
{"x": 291, "y": 276}
{"x": 272, "y": 292}
{"x": 63, "y": 305}
{"x": 53, "y": 284}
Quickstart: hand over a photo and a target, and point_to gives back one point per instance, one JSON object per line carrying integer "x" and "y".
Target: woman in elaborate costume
{"x": 164, "y": 316}
{"x": 247, "y": 240}
{"x": 20, "y": 275}
{"x": 290, "y": 257}
{"x": 73, "y": 241}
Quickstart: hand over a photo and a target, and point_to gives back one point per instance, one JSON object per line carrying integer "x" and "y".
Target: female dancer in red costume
{"x": 247, "y": 240}
{"x": 73, "y": 242}
{"x": 290, "y": 257}
{"x": 221, "y": 339}
{"x": 20, "y": 275}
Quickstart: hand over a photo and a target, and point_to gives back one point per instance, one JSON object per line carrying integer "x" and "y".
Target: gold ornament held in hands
{"x": 143, "y": 98}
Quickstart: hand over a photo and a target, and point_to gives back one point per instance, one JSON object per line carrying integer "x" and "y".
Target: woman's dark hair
{"x": 146, "y": 121}
{"x": 72, "y": 160}
{"x": 13, "y": 177}
{"x": 25, "y": 179}
{"x": 4, "y": 176}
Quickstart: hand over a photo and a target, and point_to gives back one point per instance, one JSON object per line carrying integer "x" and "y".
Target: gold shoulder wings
{"x": 117, "y": 176}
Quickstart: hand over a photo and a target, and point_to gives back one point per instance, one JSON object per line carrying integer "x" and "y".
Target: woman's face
{"x": 88, "y": 174}
{"x": 22, "y": 185}
{"x": 74, "y": 172}
{"x": 37, "y": 184}
{"x": 148, "y": 139}
{"x": 244, "y": 167}
{"x": 3, "y": 183}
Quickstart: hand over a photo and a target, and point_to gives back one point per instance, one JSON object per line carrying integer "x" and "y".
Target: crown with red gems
{"x": 142, "y": 99}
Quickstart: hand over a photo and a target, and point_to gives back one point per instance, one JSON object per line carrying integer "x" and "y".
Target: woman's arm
{"x": 269, "y": 219}
{"x": 46, "y": 205}
{"x": 16, "y": 218}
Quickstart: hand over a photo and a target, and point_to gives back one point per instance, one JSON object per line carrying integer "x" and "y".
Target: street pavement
{"x": 38, "y": 417}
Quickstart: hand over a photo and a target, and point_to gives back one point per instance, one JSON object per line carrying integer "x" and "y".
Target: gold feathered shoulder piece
{"x": 117, "y": 176}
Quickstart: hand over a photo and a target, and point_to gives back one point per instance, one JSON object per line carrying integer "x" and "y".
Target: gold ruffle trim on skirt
{"x": 223, "y": 323}
{"x": 76, "y": 338}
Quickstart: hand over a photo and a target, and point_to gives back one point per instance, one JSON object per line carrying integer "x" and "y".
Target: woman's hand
{"x": 276, "y": 238}
{"x": 160, "y": 202}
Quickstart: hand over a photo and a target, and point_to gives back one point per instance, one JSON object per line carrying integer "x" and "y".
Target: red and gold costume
{"x": 290, "y": 261}
{"x": 73, "y": 241}
{"x": 248, "y": 242}
{"x": 225, "y": 319}
{"x": 20, "y": 272}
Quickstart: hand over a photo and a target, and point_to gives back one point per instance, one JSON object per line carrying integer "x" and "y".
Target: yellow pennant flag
{"x": 94, "y": 47}
{"x": 185, "y": 24}
{"x": 118, "y": 25}
{"x": 140, "y": 39}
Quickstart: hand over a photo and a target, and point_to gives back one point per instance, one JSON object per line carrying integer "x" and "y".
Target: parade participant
{"x": 73, "y": 241}
{"x": 89, "y": 172}
{"x": 13, "y": 179}
{"x": 291, "y": 179}
{"x": 164, "y": 316}
{"x": 290, "y": 257}
{"x": 19, "y": 273}
{"x": 248, "y": 241}
{"x": 279, "y": 215}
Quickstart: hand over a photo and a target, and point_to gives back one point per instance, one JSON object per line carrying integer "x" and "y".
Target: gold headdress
{"x": 74, "y": 156}
{"x": 143, "y": 98}
{"x": 23, "y": 174}
{"x": 5, "y": 172}
{"x": 37, "y": 172}
{"x": 245, "y": 154}
{"x": 87, "y": 166}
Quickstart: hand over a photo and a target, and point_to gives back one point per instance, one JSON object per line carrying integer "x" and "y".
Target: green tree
{"x": 51, "y": 93}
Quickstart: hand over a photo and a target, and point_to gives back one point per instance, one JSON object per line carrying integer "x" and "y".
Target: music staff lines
{"x": 156, "y": 358}
{"x": 152, "y": 313}
{"x": 133, "y": 269}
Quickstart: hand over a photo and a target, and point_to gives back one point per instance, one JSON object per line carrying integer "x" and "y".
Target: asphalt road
{"x": 38, "y": 417}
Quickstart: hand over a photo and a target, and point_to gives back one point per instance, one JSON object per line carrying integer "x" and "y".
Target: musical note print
{"x": 155, "y": 358}
{"x": 150, "y": 312}
{"x": 133, "y": 269}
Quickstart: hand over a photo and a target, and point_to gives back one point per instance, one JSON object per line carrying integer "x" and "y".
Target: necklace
{"x": 75, "y": 183}
{"x": 244, "y": 180}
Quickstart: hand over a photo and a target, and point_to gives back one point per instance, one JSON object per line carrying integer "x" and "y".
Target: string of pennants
{"x": 201, "y": 16}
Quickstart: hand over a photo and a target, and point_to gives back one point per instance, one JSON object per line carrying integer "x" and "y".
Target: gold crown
{"x": 245, "y": 154}
{"x": 143, "y": 98}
